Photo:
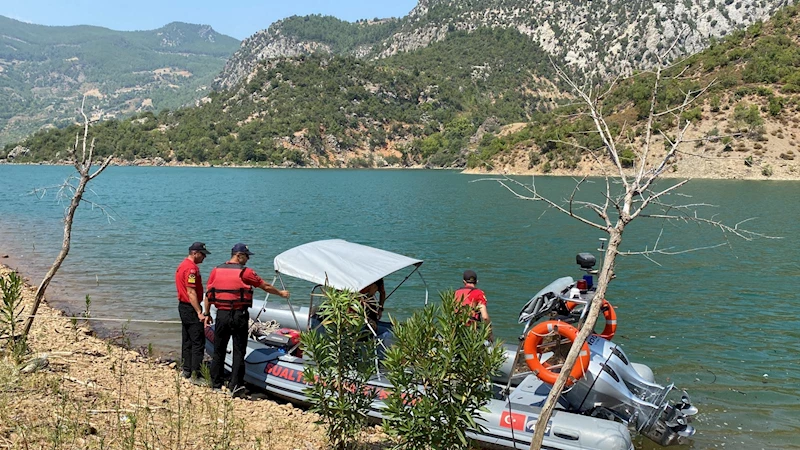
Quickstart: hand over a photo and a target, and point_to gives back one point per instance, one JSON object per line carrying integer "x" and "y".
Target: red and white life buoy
{"x": 533, "y": 356}
{"x": 608, "y": 313}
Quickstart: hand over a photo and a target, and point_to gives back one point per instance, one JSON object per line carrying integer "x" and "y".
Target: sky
{"x": 236, "y": 18}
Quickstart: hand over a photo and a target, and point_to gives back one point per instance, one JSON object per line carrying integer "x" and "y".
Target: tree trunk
{"x": 62, "y": 255}
{"x": 615, "y": 237}
{"x": 83, "y": 164}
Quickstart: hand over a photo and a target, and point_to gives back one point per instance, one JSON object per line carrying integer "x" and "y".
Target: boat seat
{"x": 274, "y": 339}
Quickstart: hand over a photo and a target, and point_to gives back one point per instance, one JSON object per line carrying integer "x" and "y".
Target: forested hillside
{"x": 416, "y": 108}
{"x": 746, "y": 125}
{"x": 44, "y": 70}
{"x": 465, "y": 102}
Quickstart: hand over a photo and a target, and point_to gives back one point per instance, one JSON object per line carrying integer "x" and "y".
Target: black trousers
{"x": 230, "y": 324}
{"x": 192, "y": 339}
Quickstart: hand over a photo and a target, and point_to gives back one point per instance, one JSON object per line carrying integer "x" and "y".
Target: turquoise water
{"x": 723, "y": 323}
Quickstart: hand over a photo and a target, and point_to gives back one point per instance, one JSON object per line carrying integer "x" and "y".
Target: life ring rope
{"x": 547, "y": 372}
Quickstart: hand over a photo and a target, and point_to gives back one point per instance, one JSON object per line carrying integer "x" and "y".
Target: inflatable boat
{"x": 608, "y": 397}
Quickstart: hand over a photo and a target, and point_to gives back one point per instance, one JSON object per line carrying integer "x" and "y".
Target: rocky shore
{"x": 76, "y": 391}
{"x": 771, "y": 165}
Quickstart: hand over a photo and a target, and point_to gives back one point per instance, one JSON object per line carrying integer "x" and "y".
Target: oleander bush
{"x": 344, "y": 353}
{"x": 440, "y": 369}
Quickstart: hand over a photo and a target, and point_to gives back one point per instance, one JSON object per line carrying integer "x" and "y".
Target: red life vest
{"x": 228, "y": 291}
{"x": 469, "y": 297}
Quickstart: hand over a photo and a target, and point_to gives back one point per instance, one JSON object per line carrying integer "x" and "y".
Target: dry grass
{"x": 96, "y": 395}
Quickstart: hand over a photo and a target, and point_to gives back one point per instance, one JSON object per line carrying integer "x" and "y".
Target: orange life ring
{"x": 608, "y": 313}
{"x": 532, "y": 354}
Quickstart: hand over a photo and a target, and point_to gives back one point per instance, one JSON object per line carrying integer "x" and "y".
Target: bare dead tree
{"x": 76, "y": 185}
{"x": 628, "y": 192}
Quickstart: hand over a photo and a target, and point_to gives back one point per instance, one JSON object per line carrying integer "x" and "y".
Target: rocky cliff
{"x": 612, "y": 36}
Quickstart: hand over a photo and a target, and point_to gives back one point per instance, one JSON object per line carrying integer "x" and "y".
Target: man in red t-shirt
{"x": 230, "y": 289}
{"x": 473, "y": 297}
{"x": 189, "y": 285}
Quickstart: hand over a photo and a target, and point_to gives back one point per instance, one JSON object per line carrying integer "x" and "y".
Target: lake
{"x": 722, "y": 323}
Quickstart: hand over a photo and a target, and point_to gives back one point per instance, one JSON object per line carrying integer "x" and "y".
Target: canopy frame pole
{"x": 289, "y": 302}
{"x": 416, "y": 270}
{"x": 426, "y": 286}
{"x": 266, "y": 299}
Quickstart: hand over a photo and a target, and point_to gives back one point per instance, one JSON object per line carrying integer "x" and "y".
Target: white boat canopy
{"x": 340, "y": 264}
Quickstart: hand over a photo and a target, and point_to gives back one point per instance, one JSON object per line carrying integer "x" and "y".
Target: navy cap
{"x": 241, "y": 248}
{"x": 199, "y": 247}
{"x": 470, "y": 276}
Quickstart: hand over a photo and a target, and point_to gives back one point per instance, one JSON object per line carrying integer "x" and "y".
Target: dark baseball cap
{"x": 199, "y": 247}
{"x": 470, "y": 276}
{"x": 241, "y": 248}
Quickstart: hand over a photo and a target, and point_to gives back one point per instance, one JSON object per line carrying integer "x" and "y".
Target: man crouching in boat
{"x": 475, "y": 298}
{"x": 230, "y": 289}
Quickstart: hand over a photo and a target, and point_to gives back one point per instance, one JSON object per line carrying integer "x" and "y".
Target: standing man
{"x": 473, "y": 297}
{"x": 230, "y": 289}
{"x": 190, "y": 296}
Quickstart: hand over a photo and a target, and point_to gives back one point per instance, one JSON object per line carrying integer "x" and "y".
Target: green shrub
{"x": 749, "y": 115}
{"x": 775, "y": 105}
{"x": 440, "y": 369}
{"x": 766, "y": 171}
{"x": 11, "y": 310}
{"x": 536, "y": 158}
{"x": 627, "y": 157}
{"x": 344, "y": 356}
{"x": 359, "y": 163}
{"x": 715, "y": 103}
{"x": 692, "y": 115}
{"x": 393, "y": 160}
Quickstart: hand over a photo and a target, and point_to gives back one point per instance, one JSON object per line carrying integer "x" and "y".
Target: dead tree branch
{"x": 627, "y": 195}
{"x": 83, "y": 166}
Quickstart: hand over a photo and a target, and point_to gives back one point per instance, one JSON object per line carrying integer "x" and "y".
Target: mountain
{"x": 482, "y": 96}
{"x": 419, "y": 107}
{"x": 612, "y": 36}
{"x": 44, "y": 71}
{"x": 745, "y": 125}
{"x": 305, "y": 35}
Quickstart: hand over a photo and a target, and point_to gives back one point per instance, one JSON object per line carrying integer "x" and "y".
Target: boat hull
{"x": 507, "y": 422}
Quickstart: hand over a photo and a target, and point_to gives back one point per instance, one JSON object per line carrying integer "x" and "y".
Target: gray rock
{"x": 17, "y": 151}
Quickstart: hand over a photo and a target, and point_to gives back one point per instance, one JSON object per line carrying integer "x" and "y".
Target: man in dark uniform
{"x": 189, "y": 285}
{"x": 230, "y": 289}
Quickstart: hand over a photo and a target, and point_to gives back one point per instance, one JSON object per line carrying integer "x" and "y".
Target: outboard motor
{"x": 613, "y": 387}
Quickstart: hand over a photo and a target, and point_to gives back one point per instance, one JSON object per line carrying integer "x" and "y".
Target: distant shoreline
{"x": 149, "y": 163}
{"x": 695, "y": 173}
